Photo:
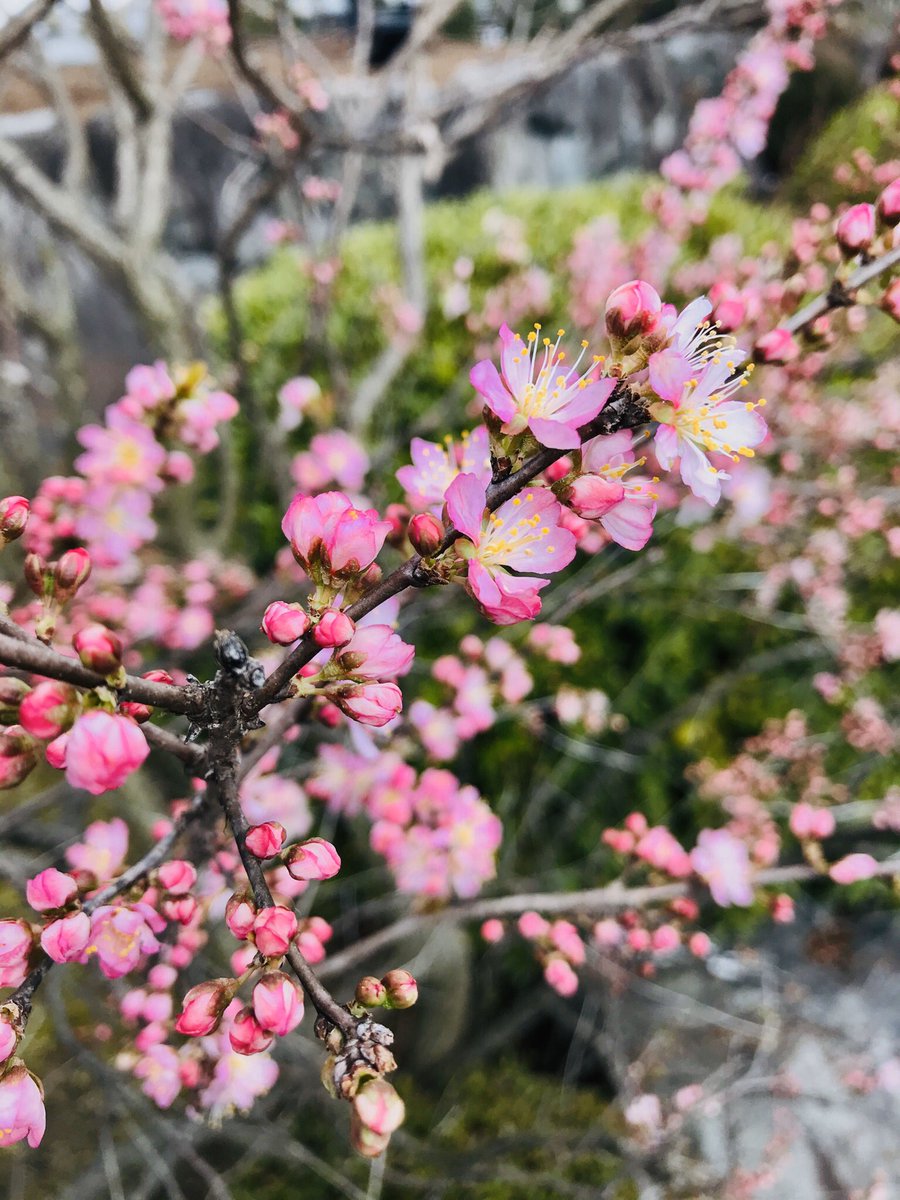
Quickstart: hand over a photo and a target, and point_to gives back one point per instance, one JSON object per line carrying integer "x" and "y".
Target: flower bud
{"x": 378, "y": 1106}
{"x": 70, "y": 573}
{"x": 240, "y": 913}
{"x": 888, "y": 204}
{"x": 315, "y": 859}
{"x": 273, "y": 929}
{"x": 203, "y": 1006}
{"x": 177, "y": 877}
{"x": 402, "y": 989}
{"x": 334, "y": 629}
{"x": 366, "y": 1141}
{"x": 182, "y": 909}
{"x": 99, "y": 649}
{"x": 14, "y": 512}
{"x": 246, "y": 1034}
{"x": 853, "y": 868}
{"x": 265, "y": 840}
{"x": 9, "y": 1037}
{"x": 12, "y": 692}
{"x": 855, "y": 229}
{"x": 778, "y": 346}
{"x": 65, "y": 940}
{"x": 632, "y": 311}
{"x": 277, "y": 1003}
{"x": 592, "y": 496}
{"x": 18, "y": 756}
{"x": 284, "y": 623}
{"x": 426, "y": 533}
{"x": 371, "y": 992}
{"x": 49, "y": 709}
{"x": 38, "y": 575}
{"x": 397, "y": 516}
{"x": 50, "y": 889}
{"x": 890, "y": 301}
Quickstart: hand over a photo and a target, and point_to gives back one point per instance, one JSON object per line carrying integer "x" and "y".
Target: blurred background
{"x": 458, "y": 165}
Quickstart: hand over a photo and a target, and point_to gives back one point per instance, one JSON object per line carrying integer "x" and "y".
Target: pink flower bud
{"x": 778, "y": 346}
{"x": 103, "y": 750}
{"x": 12, "y": 692}
{"x": 890, "y": 301}
{"x": 592, "y": 496}
{"x": 70, "y": 573}
{"x": 17, "y": 756}
{"x": 532, "y": 925}
{"x": 855, "y": 229}
{"x": 887, "y": 207}
{"x": 313, "y": 859}
{"x": 203, "y": 1006}
{"x": 99, "y": 649}
{"x": 38, "y": 575}
{"x": 378, "y": 1106}
{"x": 561, "y": 977}
{"x": 402, "y": 989}
{"x": 22, "y": 1109}
{"x": 366, "y": 1141}
{"x": 608, "y": 932}
{"x": 273, "y": 930}
{"x": 240, "y": 913}
{"x": 49, "y": 709}
{"x": 632, "y": 310}
{"x": 277, "y": 1003}
{"x": 65, "y": 940}
{"x": 782, "y": 909}
{"x": 50, "y": 889}
{"x": 246, "y": 1034}
{"x": 808, "y": 822}
{"x": 853, "y": 868}
{"x": 374, "y": 704}
{"x": 284, "y": 623}
{"x": 182, "y": 909}
{"x": 493, "y": 931}
{"x": 16, "y": 944}
{"x": 700, "y": 944}
{"x": 371, "y": 992}
{"x": 665, "y": 939}
{"x": 177, "y": 877}
{"x": 425, "y": 533}
{"x": 334, "y": 629}
{"x": 14, "y": 512}
{"x": 55, "y": 752}
{"x": 9, "y": 1039}
{"x": 265, "y": 840}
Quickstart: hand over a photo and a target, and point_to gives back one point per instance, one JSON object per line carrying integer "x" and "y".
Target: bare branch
{"x": 119, "y": 61}
{"x": 18, "y": 29}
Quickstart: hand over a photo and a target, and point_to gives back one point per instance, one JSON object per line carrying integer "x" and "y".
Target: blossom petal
{"x": 465, "y": 505}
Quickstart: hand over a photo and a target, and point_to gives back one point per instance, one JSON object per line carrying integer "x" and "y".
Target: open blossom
{"x": 523, "y": 534}
{"x": 435, "y": 466}
{"x": 101, "y": 850}
{"x": 329, "y": 536}
{"x": 103, "y": 750}
{"x": 21, "y": 1109}
{"x": 66, "y": 940}
{"x": 706, "y": 420}
{"x": 537, "y": 389}
{"x": 722, "y": 861}
{"x": 375, "y": 652}
{"x": 627, "y": 508}
{"x": 333, "y": 457}
{"x": 691, "y": 343}
{"x": 50, "y": 889}
{"x": 122, "y": 452}
{"x": 159, "y": 1069}
{"x": 293, "y": 398}
{"x": 121, "y": 936}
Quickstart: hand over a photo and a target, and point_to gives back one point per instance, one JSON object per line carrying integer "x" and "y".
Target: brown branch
{"x": 17, "y": 30}
{"x": 841, "y": 294}
{"x": 193, "y": 757}
{"x": 157, "y": 854}
{"x": 624, "y": 411}
{"x": 38, "y": 659}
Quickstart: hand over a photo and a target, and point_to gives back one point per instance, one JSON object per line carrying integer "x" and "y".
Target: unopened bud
{"x": 49, "y": 709}
{"x": 632, "y": 311}
{"x": 402, "y": 989}
{"x": 888, "y": 204}
{"x": 264, "y": 841}
{"x": 240, "y": 913}
{"x": 398, "y": 515}
{"x": 70, "y": 573}
{"x": 98, "y": 648}
{"x": 14, "y": 512}
{"x": 18, "y": 756}
{"x": 778, "y": 346}
{"x": 38, "y": 575}
{"x": 366, "y": 1141}
{"x": 284, "y": 623}
{"x": 334, "y": 629}
{"x": 426, "y": 533}
{"x": 371, "y": 992}
{"x": 855, "y": 229}
{"x": 12, "y": 693}
{"x": 203, "y": 1006}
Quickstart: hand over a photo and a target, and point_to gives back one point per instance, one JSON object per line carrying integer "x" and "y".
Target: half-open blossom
{"x": 246, "y": 1034}
{"x": 273, "y": 929}
{"x": 16, "y": 944}
{"x": 855, "y": 229}
{"x": 537, "y": 389}
{"x": 203, "y": 1006}
{"x": 632, "y": 311}
{"x": 313, "y": 859}
{"x": 375, "y": 652}
{"x": 177, "y": 876}
{"x": 330, "y": 536}
{"x": 22, "y": 1112}
{"x": 723, "y": 863}
{"x": 121, "y": 936}
{"x": 523, "y": 534}
{"x": 266, "y": 839}
{"x": 67, "y": 939}
{"x": 374, "y": 704}
{"x": 49, "y": 709}
{"x": 50, "y": 889}
{"x": 625, "y": 503}
{"x": 14, "y": 512}
{"x": 103, "y": 750}
{"x": 277, "y": 1003}
{"x": 435, "y": 466}
{"x": 706, "y": 420}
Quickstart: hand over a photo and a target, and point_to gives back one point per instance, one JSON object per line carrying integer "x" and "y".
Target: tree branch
{"x": 17, "y": 30}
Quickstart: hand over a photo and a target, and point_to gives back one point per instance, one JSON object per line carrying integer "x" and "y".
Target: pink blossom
{"x": 809, "y": 822}
{"x": 284, "y": 623}
{"x": 16, "y": 943}
{"x": 435, "y": 466}
{"x": 523, "y": 534}
{"x": 203, "y": 1006}
{"x": 246, "y": 1034}
{"x": 21, "y": 1109}
{"x": 9, "y": 1039}
{"x": 159, "y": 1069}
{"x": 273, "y": 930}
{"x": 277, "y": 1003}
{"x": 378, "y": 1106}
{"x": 375, "y": 652}
{"x": 853, "y": 868}
{"x": 122, "y": 452}
{"x": 240, "y": 913}
{"x": 14, "y": 511}
{"x": 333, "y": 457}
{"x": 147, "y": 387}
{"x": 493, "y": 930}
{"x": 633, "y": 311}
{"x": 98, "y": 648}
{"x": 66, "y": 940}
{"x": 293, "y": 399}
{"x": 177, "y": 876}
{"x": 373, "y": 704}
{"x": 887, "y": 626}
{"x": 539, "y": 391}
{"x": 700, "y": 944}
{"x": 722, "y": 861}
{"x": 629, "y": 504}
{"x": 778, "y": 346}
{"x": 49, "y": 709}
{"x": 121, "y": 936}
{"x": 559, "y": 974}
{"x": 888, "y": 204}
{"x": 334, "y": 628}
{"x": 532, "y": 925}
{"x": 101, "y": 850}
{"x": 50, "y": 889}
{"x": 265, "y": 840}
{"x": 855, "y": 229}
{"x": 103, "y": 750}
{"x": 329, "y": 536}
{"x": 313, "y": 859}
